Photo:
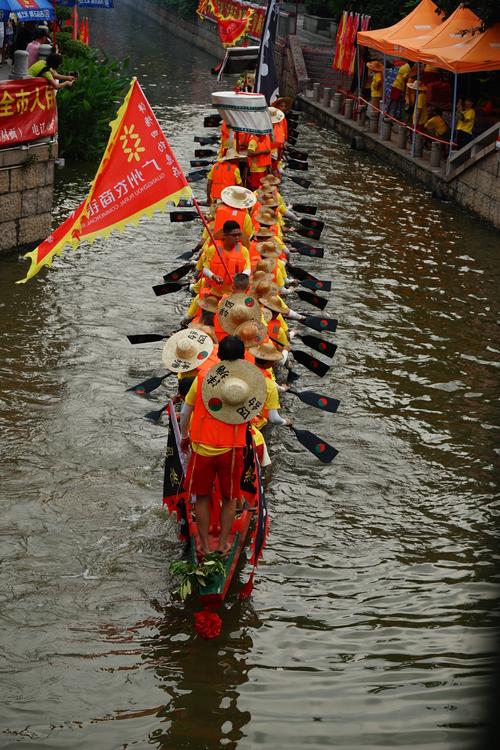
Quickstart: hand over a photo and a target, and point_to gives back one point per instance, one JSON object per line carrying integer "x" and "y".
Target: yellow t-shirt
{"x": 400, "y": 80}
{"x": 272, "y": 402}
{"x": 34, "y": 70}
{"x": 421, "y": 106}
{"x": 376, "y": 86}
{"x": 467, "y": 123}
{"x": 436, "y": 125}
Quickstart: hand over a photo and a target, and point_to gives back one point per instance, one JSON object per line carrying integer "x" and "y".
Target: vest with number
{"x": 226, "y": 213}
{"x": 223, "y": 176}
{"x": 235, "y": 262}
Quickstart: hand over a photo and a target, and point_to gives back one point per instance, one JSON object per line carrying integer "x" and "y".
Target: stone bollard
{"x": 419, "y": 146}
{"x": 386, "y": 130}
{"x": 316, "y": 92}
{"x": 373, "y": 121}
{"x": 362, "y": 115}
{"x": 349, "y": 106}
{"x": 20, "y": 67}
{"x": 44, "y": 51}
{"x": 327, "y": 96}
{"x": 336, "y": 103}
{"x": 435, "y": 154}
{"x": 402, "y": 137}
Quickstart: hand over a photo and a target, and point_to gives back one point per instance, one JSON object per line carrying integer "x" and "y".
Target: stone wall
{"x": 26, "y": 191}
{"x": 478, "y": 189}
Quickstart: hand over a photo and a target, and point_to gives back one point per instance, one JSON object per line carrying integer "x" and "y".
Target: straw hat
{"x": 276, "y": 115}
{"x": 265, "y": 287}
{"x": 266, "y": 351}
{"x": 252, "y": 333}
{"x": 265, "y": 265}
{"x": 234, "y": 392}
{"x": 259, "y": 275}
{"x": 231, "y": 153}
{"x": 209, "y": 330}
{"x": 263, "y": 232}
{"x": 283, "y": 102}
{"x": 209, "y": 302}
{"x": 268, "y": 249}
{"x": 186, "y": 350}
{"x": 274, "y": 303}
{"x": 237, "y": 309}
{"x": 270, "y": 179}
{"x": 413, "y": 85}
{"x": 375, "y": 66}
{"x": 268, "y": 201}
{"x": 238, "y": 197}
{"x": 266, "y": 216}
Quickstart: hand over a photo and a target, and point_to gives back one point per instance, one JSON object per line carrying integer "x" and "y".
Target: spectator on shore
{"x": 7, "y": 51}
{"x": 41, "y": 36}
{"x": 48, "y": 69}
{"x": 466, "y": 117}
{"x": 24, "y": 35}
{"x": 436, "y": 125}
{"x": 420, "y": 107}
{"x": 398, "y": 91}
{"x": 377, "y": 84}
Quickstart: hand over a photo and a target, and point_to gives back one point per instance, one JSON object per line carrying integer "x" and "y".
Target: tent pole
{"x": 359, "y": 76}
{"x": 415, "y": 110}
{"x": 382, "y": 103}
{"x": 453, "y": 118}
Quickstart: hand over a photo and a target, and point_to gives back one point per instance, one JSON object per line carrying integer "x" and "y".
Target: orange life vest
{"x": 226, "y": 213}
{"x": 209, "y": 430}
{"x": 261, "y": 161}
{"x": 235, "y": 262}
{"x": 223, "y": 176}
{"x": 279, "y": 134}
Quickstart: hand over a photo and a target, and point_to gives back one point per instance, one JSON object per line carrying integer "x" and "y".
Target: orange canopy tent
{"x": 460, "y": 52}
{"x": 421, "y": 22}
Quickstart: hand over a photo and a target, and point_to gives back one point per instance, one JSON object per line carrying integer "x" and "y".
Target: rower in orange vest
{"x": 223, "y": 262}
{"x": 236, "y": 202}
{"x": 259, "y": 159}
{"x": 224, "y": 173}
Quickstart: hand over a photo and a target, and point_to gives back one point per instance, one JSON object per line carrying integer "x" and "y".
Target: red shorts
{"x": 254, "y": 178}
{"x": 203, "y": 470}
{"x": 396, "y": 94}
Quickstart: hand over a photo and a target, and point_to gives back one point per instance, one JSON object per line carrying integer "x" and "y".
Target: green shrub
{"x": 86, "y": 108}
{"x": 70, "y": 47}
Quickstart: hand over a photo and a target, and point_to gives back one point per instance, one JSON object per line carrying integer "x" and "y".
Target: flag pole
{"x": 209, "y": 231}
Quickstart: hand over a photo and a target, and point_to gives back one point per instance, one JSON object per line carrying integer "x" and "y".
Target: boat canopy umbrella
{"x": 459, "y": 52}
{"x": 27, "y": 10}
{"x": 422, "y": 21}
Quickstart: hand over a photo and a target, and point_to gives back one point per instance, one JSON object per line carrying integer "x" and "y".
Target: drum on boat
{"x": 245, "y": 112}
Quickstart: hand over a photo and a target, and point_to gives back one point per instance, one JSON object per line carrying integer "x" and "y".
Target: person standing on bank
{"x": 466, "y": 117}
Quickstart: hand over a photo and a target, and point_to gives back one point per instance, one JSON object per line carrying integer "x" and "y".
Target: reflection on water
{"x": 372, "y": 620}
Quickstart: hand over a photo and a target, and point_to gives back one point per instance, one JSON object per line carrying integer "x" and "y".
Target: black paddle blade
{"x": 291, "y": 140}
{"x": 154, "y": 416}
{"x": 149, "y": 385}
{"x": 178, "y": 273}
{"x": 292, "y": 377}
{"x": 320, "y": 324}
{"x": 312, "y": 234}
{"x": 300, "y": 181}
{"x": 296, "y": 154}
{"x": 326, "y": 403}
{"x": 314, "y": 365}
{"x": 145, "y": 338}
{"x": 212, "y": 121}
{"x": 312, "y": 223}
{"x": 300, "y": 273}
{"x": 292, "y": 133}
{"x": 317, "y": 285}
{"x": 206, "y": 140}
{"x": 302, "y": 166}
{"x": 200, "y": 163}
{"x": 324, "y": 347}
{"x": 200, "y": 153}
{"x": 302, "y": 208}
{"x": 168, "y": 288}
{"x": 325, "y": 452}
{"x": 308, "y": 250}
{"x": 313, "y": 299}
{"x": 197, "y": 176}
{"x": 177, "y": 216}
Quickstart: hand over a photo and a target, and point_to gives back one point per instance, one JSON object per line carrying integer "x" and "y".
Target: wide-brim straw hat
{"x": 274, "y": 303}
{"x": 265, "y": 287}
{"x": 264, "y": 265}
{"x": 259, "y": 275}
{"x": 270, "y": 179}
{"x": 238, "y": 197}
{"x": 234, "y": 392}
{"x": 263, "y": 232}
{"x": 375, "y": 65}
{"x": 283, "y": 102}
{"x": 251, "y": 332}
{"x": 186, "y": 350}
{"x": 268, "y": 249}
{"x": 414, "y": 85}
{"x": 231, "y": 153}
{"x": 266, "y": 351}
{"x": 209, "y": 330}
{"x": 266, "y": 314}
{"x": 268, "y": 201}
{"x": 266, "y": 216}
{"x": 209, "y": 302}
{"x": 276, "y": 115}
{"x": 237, "y": 309}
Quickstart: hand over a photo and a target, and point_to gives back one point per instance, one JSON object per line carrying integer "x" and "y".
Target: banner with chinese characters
{"x": 138, "y": 175}
{"x": 27, "y": 111}
{"x": 231, "y": 11}
{"x": 86, "y": 3}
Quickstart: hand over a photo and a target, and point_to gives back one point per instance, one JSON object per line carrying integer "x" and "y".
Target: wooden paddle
{"x": 319, "y": 324}
{"x": 311, "y": 398}
{"x": 206, "y": 140}
{"x": 307, "y": 360}
{"x": 312, "y": 223}
{"x": 303, "y": 208}
{"x": 212, "y": 121}
{"x": 309, "y": 251}
{"x": 315, "y": 445}
{"x": 292, "y": 139}
{"x": 312, "y": 299}
{"x": 300, "y": 273}
{"x": 149, "y": 385}
{"x": 188, "y": 254}
{"x": 200, "y": 174}
{"x": 179, "y": 216}
{"x": 313, "y": 234}
{"x": 178, "y": 273}
{"x": 294, "y": 153}
{"x": 200, "y": 163}
{"x": 302, "y": 166}
{"x": 316, "y": 285}
{"x": 292, "y": 133}
{"x": 201, "y": 153}
{"x": 146, "y": 338}
{"x": 154, "y": 416}
{"x": 319, "y": 345}
{"x": 298, "y": 180}
{"x": 169, "y": 287}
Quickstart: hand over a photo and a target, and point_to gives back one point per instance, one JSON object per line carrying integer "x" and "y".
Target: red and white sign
{"x": 27, "y": 111}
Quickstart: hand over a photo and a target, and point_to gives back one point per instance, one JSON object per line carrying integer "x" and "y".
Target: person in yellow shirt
{"x": 398, "y": 90}
{"x": 420, "y": 106}
{"x": 435, "y": 125}
{"x": 377, "y": 84}
{"x": 466, "y": 118}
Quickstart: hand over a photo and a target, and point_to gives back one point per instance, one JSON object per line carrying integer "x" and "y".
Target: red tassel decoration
{"x": 247, "y": 588}
{"x": 207, "y": 624}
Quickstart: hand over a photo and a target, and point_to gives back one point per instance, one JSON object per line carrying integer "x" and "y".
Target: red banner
{"x": 27, "y": 111}
{"x": 234, "y": 10}
{"x": 138, "y": 175}
{"x": 231, "y": 30}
